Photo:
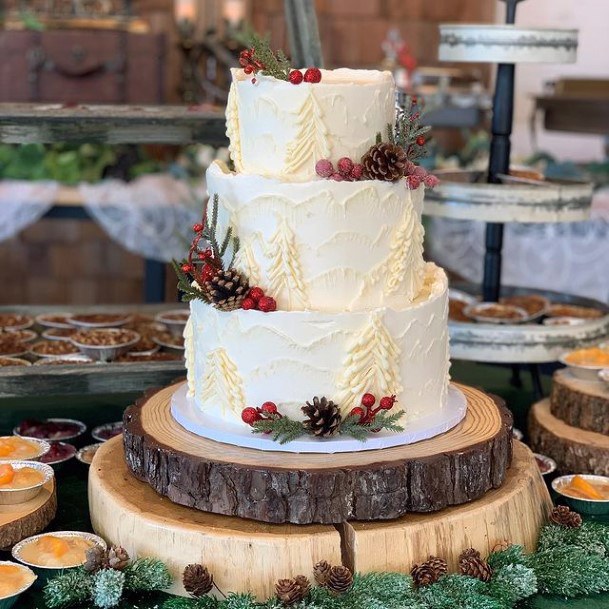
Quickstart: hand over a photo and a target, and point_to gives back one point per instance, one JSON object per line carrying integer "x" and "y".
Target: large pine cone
{"x": 472, "y": 564}
{"x": 439, "y": 565}
{"x": 293, "y": 590}
{"x": 321, "y": 572}
{"x": 197, "y": 580}
{"x": 385, "y": 161}
{"x": 118, "y": 558}
{"x": 565, "y": 517}
{"x": 323, "y": 417}
{"x": 340, "y": 579}
{"x": 227, "y": 289}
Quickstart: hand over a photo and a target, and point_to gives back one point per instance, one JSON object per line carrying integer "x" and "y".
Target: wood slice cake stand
{"x": 245, "y": 555}
{"x": 452, "y": 468}
{"x": 575, "y": 450}
{"x": 580, "y": 403}
{"x": 25, "y": 519}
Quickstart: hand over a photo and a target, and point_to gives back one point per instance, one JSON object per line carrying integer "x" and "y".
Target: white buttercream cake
{"x": 358, "y": 309}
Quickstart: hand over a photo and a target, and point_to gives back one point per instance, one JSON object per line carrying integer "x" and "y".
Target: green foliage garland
{"x": 568, "y": 562}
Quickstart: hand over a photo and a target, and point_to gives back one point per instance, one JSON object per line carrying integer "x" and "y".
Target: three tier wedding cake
{"x": 310, "y": 298}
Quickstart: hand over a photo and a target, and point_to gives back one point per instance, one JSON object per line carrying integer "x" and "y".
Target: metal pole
{"x": 499, "y": 163}
{"x": 303, "y": 33}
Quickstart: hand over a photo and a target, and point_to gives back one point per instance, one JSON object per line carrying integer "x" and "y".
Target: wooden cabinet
{"x": 81, "y": 66}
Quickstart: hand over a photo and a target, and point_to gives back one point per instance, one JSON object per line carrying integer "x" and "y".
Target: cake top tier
{"x": 279, "y": 129}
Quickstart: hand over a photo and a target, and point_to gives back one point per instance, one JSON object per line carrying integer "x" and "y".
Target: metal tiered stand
{"x": 504, "y": 199}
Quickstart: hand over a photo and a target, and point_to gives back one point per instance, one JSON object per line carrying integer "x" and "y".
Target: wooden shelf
{"x": 48, "y": 123}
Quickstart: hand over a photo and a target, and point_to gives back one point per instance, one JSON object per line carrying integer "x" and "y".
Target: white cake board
{"x": 185, "y": 412}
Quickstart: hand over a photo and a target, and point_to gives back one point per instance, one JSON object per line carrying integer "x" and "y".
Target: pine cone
{"x": 321, "y": 572}
{"x": 197, "y": 580}
{"x": 565, "y": 517}
{"x": 384, "y": 161}
{"x": 227, "y": 289}
{"x": 439, "y": 565}
{"x": 96, "y": 559}
{"x": 424, "y": 574}
{"x": 293, "y": 590}
{"x": 118, "y": 558}
{"x": 472, "y": 564}
{"x": 340, "y": 579}
{"x": 323, "y": 417}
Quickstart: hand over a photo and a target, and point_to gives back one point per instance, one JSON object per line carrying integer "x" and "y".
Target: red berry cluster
{"x": 251, "y": 415}
{"x": 249, "y": 63}
{"x": 417, "y": 175}
{"x": 256, "y": 300}
{"x": 346, "y": 170}
{"x": 311, "y": 75}
{"x": 366, "y": 412}
{"x": 201, "y": 264}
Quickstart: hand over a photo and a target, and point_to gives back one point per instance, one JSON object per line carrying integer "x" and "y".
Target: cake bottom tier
{"x": 245, "y": 358}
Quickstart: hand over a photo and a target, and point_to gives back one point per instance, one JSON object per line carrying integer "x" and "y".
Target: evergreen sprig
{"x": 210, "y": 235}
{"x": 185, "y": 287}
{"x": 408, "y": 128}
{"x": 68, "y": 589}
{"x": 275, "y": 63}
{"x": 284, "y": 430}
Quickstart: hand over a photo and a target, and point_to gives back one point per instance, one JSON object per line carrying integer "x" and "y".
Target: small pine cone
{"x": 321, "y": 572}
{"x": 565, "y": 517}
{"x": 197, "y": 580}
{"x": 227, "y": 289}
{"x": 424, "y": 574}
{"x": 290, "y": 591}
{"x": 118, "y": 558}
{"x": 439, "y": 565}
{"x": 304, "y": 583}
{"x": 472, "y": 564}
{"x": 323, "y": 417}
{"x": 384, "y": 161}
{"x": 340, "y": 580}
{"x": 96, "y": 559}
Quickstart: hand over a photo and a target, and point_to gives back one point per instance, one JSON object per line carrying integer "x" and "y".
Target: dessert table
{"x": 94, "y": 410}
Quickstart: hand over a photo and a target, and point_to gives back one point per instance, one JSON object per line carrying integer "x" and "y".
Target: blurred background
{"x": 86, "y": 222}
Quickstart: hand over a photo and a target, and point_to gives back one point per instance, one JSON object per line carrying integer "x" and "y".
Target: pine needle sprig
{"x": 276, "y": 64}
{"x": 70, "y": 588}
{"x": 283, "y": 429}
{"x": 185, "y": 287}
{"x": 210, "y": 234}
{"x": 382, "y": 421}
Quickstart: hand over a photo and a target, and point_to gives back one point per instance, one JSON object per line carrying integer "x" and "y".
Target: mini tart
{"x": 14, "y": 579}
{"x": 85, "y": 455}
{"x": 99, "y": 320}
{"x": 171, "y": 341}
{"x": 15, "y": 321}
{"x": 455, "y": 311}
{"x": 53, "y": 348}
{"x": 492, "y": 312}
{"x": 26, "y": 449}
{"x": 11, "y": 346}
{"x": 13, "y": 478}
{"x": 58, "y": 453}
{"x": 61, "y": 550}
{"x": 24, "y": 336}
{"x": 6, "y": 362}
{"x": 52, "y": 430}
{"x": 59, "y": 333}
{"x": 54, "y": 320}
{"x": 594, "y": 357}
{"x": 163, "y": 356}
{"x": 175, "y": 317}
{"x": 104, "y": 337}
{"x": 533, "y": 304}
{"x": 567, "y": 310}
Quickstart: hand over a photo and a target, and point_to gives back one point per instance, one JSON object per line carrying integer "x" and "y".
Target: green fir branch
{"x": 382, "y": 421}
{"x": 283, "y": 429}
{"x": 185, "y": 287}
{"x": 276, "y": 64}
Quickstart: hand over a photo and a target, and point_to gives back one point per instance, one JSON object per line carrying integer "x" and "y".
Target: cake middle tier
{"x": 324, "y": 245}
{"x": 244, "y": 358}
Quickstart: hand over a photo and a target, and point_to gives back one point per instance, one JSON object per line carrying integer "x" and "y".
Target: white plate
{"x": 185, "y": 412}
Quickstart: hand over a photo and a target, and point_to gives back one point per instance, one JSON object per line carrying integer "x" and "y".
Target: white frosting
{"x": 325, "y": 245}
{"x": 278, "y": 129}
{"x": 288, "y": 357}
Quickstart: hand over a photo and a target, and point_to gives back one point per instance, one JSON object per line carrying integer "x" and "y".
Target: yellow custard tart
{"x": 14, "y": 579}
{"x": 14, "y": 447}
{"x": 56, "y": 550}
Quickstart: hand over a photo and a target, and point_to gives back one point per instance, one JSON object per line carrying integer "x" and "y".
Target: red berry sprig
{"x": 346, "y": 170}
{"x": 366, "y": 412}
{"x": 249, "y": 63}
{"x": 295, "y": 77}
{"x": 256, "y": 300}
{"x": 268, "y": 411}
{"x": 312, "y": 75}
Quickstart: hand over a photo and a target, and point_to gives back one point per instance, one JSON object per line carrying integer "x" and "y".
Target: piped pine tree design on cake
{"x": 285, "y": 273}
{"x": 404, "y": 265}
{"x": 311, "y": 142}
{"x": 232, "y": 127}
{"x": 189, "y": 350}
{"x": 372, "y": 365}
{"x": 246, "y": 263}
{"x": 222, "y": 384}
